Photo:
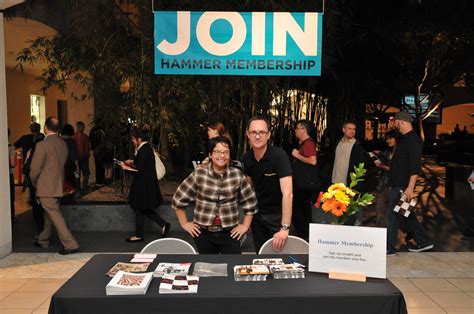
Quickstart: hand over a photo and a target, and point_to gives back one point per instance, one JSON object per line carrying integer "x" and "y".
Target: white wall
{"x": 5, "y": 216}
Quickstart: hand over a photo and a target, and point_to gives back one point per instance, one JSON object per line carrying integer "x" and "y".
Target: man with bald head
{"x": 47, "y": 176}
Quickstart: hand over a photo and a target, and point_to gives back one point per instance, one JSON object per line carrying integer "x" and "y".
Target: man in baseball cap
{"x": 405, "y": 167}
{"x": 403, "y": 116}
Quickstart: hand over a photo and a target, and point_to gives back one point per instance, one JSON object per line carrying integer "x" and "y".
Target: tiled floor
{"x": 430, "y": 282}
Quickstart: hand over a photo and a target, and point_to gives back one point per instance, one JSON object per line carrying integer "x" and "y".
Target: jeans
{"x": 263, "y": 227}
{"x": 217, "y": 242}
{"x": 302, "y": 215}
{"x": 38, "y": 211}
{"x": 12, "y": 196}
{"x": 99, "y": 168}
{"x": 84, "y": 169}
{"x": 391, "y": 219}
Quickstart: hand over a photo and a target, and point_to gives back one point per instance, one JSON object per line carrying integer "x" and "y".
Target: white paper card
{"x": 348, "y": 249}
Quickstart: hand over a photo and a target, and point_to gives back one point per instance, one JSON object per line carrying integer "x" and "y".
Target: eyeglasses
{"x": 259, "y": 133}
{"x": 221, "y": 152}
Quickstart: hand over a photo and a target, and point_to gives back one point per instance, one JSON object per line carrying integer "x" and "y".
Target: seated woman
{"x": 219, "y": 191}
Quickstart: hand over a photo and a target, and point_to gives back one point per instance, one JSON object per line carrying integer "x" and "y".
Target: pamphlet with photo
{"x": 128, "y": 267}
{"x": 181, "y": 269}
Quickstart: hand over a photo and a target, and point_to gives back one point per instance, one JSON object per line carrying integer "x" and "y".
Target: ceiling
{"x": 18, "y": 31}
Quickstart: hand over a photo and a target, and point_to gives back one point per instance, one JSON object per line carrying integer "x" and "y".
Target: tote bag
{"x": 159, "y": 166}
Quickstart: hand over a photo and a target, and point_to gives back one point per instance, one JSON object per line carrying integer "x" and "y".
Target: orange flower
{"x": 338, "y": 208}
{"x": 328, "y": 205}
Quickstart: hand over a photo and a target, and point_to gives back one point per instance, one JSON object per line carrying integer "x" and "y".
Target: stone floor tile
{"x": 10, "y": 285}
{"x": 404, "y": 284}
{"x": 465, "y": 284}
{"x": 15, "y": 311}
{"x": 451, "y": 299}
{"x": 458, "y": 310}
{"x": 3, "y": 295}
{"x": 45, "y": 304}
{"x": 23, "y": 300}
{"x": 433, "y": 284}
{"x": 418, "y": 299}
{"x": 42, "y": 285}
{"x": 470, "y": 293}
{"x": 425, "y": 310}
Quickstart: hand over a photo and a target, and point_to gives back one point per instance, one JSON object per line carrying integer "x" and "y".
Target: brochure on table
{"x": 348, "y": 249}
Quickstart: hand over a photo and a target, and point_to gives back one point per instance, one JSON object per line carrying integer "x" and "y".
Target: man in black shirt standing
{"x": 25, "y": 142}
{"x": 269, "y": 169}
{"x": 405, "y": 167}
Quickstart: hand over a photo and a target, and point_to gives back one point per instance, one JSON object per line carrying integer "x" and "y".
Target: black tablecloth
{"x": 85, "y": 292}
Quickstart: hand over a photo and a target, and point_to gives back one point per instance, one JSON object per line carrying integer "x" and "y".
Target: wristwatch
{"x": 285, "y": 227}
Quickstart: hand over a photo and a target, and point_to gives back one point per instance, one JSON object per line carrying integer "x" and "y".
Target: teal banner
{"x": 238, "y": 43}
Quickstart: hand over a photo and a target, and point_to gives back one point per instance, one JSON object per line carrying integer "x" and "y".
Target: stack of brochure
{"x": 250, "y": 272}
{"x": 178, "y": 284}
{"x": 180, "y": 269}
{"x": 125, "y": 283}
{"x": 143, "y": 258}
{"x": 128, "y": 267}
{"x": 210, "y": 270}
{"x": 268, "y": 261}
{"x": 286, "y": 271}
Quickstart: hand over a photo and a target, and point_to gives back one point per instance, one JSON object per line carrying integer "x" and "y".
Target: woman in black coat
{"x": 145, "y": 194}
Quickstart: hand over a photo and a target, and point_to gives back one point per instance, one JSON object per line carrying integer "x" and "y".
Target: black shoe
{"x": 36, "y": 243}
{"x": 67, "y": 252}
{"x": 165, "y": 230}
{"x": 419, "y": 248}
{"x": 391, "y": 253}
{"x": 137, "y": 239}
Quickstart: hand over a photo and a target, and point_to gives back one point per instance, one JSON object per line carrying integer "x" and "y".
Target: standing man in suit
{"x": 47, "y": 176}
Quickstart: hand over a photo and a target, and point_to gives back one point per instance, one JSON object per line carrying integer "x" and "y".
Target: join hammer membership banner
{"x": 238, "y": 43}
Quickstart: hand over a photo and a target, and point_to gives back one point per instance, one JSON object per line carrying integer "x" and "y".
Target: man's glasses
{"x": 259, "y": 133}
{"x": 221, "y": 152}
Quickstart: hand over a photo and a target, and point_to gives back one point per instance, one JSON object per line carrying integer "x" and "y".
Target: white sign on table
{"x": 348, "y": 249}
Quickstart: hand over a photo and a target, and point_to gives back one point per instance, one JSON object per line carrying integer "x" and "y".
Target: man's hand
{"x": 192, "y": 228}
{"x": 238, "y": 231}
{"x": 279, "y": 240}
{"x": 295, "y": 153}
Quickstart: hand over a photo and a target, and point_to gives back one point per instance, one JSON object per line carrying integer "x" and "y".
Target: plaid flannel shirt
{"x": 216, "y": 194}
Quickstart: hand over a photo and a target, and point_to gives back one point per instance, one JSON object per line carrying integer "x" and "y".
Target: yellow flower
{"x": 342, "y": 197}
{"x": 350, "y": 192}
{"x": 337, "y": 186}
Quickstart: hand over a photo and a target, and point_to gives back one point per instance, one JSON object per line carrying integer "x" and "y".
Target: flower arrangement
{"x": 343, "y": 201}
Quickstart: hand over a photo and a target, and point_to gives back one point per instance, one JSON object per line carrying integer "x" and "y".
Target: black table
{"x": 85, "y": 292}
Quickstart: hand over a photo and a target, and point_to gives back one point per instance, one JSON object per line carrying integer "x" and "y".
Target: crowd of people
{"x": 277, "y": 193}
{"x": 55, "y": 164}
{"x": 274, "y": 193}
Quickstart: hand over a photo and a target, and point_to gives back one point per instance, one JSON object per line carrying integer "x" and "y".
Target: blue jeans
{"x": 391, "y": 219}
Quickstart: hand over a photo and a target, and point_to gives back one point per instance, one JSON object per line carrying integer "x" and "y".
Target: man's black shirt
{"x": 26, "y": 142}
{"x": 266, "y": 175}
{"x": 406, "y": 160}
